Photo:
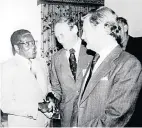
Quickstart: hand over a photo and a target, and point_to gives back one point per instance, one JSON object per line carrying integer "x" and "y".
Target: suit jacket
{"x": 111, "y": 93}
{"x": 63, "y": 83}
{"x": 134, "y": 47}
{"x": 21, "y": 94}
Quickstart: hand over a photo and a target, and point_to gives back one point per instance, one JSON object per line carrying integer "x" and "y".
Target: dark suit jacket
{"x": 63, "y": 84}
{"x": 134, "y": 46}
{"x": 110, "y": 96}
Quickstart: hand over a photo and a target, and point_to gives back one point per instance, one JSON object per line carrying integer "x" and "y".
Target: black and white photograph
{"x": 70, "y": 63}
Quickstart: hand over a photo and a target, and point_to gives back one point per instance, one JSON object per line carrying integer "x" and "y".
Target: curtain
{"x": 50, "y": 13}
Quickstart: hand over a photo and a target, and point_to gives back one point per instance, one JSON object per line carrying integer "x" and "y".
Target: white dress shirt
{"x": 24, "y": 61}
{"x": 76, "y": 47}
{"x": 103, "y": 54}
{"x": 39, "y": 69}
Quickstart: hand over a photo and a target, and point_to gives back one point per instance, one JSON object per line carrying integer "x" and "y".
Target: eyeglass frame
{"x": 27, "y": 45}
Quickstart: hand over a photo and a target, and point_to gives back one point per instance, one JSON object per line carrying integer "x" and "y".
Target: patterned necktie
{"x": 73, "y": 64}
{"x": 94, "y": 61}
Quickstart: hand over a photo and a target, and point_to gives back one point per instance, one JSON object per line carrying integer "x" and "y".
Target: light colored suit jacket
{"x": 110, "y": 96}
{"x": 21, "y": 93}
{"x": 63, "y": 83}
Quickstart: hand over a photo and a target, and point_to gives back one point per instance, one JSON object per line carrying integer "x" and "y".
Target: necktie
{"x": 94, "y": 61}
{"x": 73, "y": 64}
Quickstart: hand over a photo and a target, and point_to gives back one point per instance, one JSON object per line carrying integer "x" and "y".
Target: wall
{"x": 131, "y": 10}
{"x": 17, "y": 14}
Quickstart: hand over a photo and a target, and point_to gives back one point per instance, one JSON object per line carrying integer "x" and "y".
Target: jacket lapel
{"x": 84, "y": 81}
{"x": 82, "y": 61}
{"x": 104, "y": 69}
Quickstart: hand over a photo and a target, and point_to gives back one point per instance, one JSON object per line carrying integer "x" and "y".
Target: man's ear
{"x": 75, "y": 29}
{"x": 125, "y": 28}
{"x": 16, "y": 48}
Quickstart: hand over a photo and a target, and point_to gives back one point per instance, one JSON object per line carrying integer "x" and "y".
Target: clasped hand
{"x": 50, "y": 106}
{"x": 47, "y": 108}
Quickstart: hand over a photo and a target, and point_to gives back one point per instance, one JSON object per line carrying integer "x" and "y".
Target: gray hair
{"x": 106, "y": 16}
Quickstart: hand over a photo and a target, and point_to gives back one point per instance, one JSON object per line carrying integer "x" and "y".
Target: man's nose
{"x": 34, "y": 47}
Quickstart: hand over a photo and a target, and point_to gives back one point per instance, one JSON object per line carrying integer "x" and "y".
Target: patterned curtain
{"x": 50, "y": 13}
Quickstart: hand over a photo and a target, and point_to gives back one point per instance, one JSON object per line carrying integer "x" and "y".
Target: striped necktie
{"x": 73, "y": 63}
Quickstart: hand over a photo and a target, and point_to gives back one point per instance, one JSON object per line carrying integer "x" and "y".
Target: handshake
{"x": 49, "y": 107}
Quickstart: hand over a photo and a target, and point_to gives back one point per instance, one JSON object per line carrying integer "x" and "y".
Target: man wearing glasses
{"x": 24, "y": 84}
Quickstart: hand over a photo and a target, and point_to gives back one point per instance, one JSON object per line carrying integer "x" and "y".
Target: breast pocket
{"x": 103, "y": 89}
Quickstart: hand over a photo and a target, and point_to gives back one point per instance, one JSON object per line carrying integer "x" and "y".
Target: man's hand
{"x": 49, "y": 114}
{"x": 53, "y": 105}
{"x": 46, "y": 106}
{"x": 50, "y": 97}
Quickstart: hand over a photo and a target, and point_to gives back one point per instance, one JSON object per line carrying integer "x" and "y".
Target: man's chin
{"x": 33, "y": 56}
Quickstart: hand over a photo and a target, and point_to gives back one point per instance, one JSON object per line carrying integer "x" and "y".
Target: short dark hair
{"x": 17, "y": 36}
{"x": 122, "y": 20}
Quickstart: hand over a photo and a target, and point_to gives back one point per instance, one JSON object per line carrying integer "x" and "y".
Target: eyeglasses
{"x": 29, "y": 44}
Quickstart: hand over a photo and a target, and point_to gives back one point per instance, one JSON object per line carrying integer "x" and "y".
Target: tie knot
{"x": 72, "y": 51}
{"x": 97, "y": 56}
{"x": 94, "y": 61}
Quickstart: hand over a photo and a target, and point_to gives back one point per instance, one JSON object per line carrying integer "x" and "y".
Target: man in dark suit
{"x": 68, "y": 66}
{"x": 133, "y": 46}
{"x": 110, "y": 88}
{"x": 129, "y": 43}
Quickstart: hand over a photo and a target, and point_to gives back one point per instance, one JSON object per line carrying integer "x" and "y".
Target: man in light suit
{"x": 24, "y": 84}
{"x": 109, "y": 98}
{"x": 67, "y": 68}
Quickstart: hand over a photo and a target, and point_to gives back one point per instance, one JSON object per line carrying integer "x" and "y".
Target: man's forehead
{"x": 61, "y": 28}
{"x": 86, "y": 23}
{"x": 62, "y": 25}
{"x": 27, "y": 36}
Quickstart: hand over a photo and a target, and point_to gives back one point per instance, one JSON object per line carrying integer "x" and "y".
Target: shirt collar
{"x": 23, "y": 60}
{"x": 104, "y": 53}
{"x": 76, "y": 47}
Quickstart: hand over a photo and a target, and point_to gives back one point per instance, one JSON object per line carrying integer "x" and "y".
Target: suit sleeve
{"x": 121, "y": 102}
{"x": 9, "y": 103}
{"x": 55, "y": 83}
